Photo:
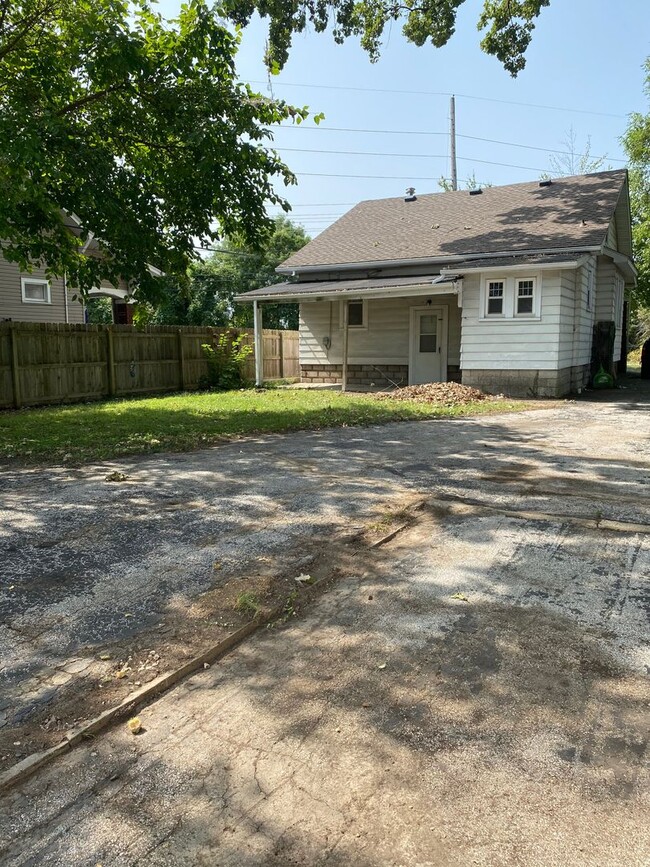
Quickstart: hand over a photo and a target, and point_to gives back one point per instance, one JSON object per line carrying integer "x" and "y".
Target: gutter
{"x": 424, "y": 289}
{"x": 438, "y": 260}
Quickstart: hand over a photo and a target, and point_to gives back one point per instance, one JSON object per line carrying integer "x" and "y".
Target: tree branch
{"x": 91, "y": 97}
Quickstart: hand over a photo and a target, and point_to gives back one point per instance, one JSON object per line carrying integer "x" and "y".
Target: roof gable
{"x": 572, "y": 212}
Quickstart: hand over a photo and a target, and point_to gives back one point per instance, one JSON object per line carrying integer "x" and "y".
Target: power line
{"x": 322, "y": 205}
{"x": 414, "y": 156}
{"x": 377, "y": 177}
{"x": 224, "y": 252}
{"x": 534, "y": 148}
{"x": 442, "y": 93}
{"x": 458, "y": 135}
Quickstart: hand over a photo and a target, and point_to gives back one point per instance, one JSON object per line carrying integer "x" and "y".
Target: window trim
{"x": 486, "y": 299}
{"x": 510, "y": 292}
{"x": 364, "y": 320}
{"x": 42, "y": 281}
{"x": 534, "y": 314}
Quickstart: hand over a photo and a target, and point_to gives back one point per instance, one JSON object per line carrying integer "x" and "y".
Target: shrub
{"x": 226, "y": 359}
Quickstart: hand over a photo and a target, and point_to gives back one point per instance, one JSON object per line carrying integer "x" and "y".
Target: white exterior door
{"x": 428, "y": 355}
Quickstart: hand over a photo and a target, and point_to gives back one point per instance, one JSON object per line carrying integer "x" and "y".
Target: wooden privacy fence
{"x": 43, "y": 363}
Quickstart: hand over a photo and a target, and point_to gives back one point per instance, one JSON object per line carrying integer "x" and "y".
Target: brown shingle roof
{"x": 572, "y": 212}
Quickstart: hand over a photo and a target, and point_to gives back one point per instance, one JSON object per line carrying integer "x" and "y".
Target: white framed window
{"x": 357, "y": 314}
{"x": 494, "y": 297}
{"x": 35, "y": 291}
{"x": 511, "y": 298}
{"x": 525, "y": 301}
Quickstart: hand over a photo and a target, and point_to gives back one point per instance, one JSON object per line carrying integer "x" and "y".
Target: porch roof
{"x": 370, "y": 287}
{"x": 446, "y": 280}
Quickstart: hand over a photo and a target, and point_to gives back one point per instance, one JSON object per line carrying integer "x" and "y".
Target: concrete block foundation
{"x": 359, "y": 375}
{"x": 529, "y": 383}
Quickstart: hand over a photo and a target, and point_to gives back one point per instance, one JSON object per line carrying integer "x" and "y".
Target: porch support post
{"x": 259, "y": 360}
{"x": 344, "y": 369}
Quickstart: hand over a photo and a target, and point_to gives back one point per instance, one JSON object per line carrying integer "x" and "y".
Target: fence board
{"x": 56, "y": 363}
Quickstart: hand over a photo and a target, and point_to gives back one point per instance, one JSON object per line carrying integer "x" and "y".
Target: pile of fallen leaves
{"x": 445, "y": 393}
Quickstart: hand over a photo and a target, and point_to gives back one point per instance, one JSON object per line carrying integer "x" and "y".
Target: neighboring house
{"x": 33, "y": 297}
{"x": 501, "y": 288}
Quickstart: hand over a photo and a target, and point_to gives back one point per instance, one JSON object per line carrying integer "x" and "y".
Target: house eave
{"x": 623, "y": 261}
{"x": 439, "y": 261}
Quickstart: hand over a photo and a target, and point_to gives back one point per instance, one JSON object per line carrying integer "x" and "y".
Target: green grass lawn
{"x": 181, "y": 422}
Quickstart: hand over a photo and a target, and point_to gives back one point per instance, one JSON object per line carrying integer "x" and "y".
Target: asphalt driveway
{"x": 474, "y": 692}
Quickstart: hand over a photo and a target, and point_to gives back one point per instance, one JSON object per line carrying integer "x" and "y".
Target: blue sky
{"x": 585, "y": 61}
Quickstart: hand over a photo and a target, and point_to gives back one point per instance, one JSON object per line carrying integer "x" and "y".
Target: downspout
{"x": 344, "y": 366}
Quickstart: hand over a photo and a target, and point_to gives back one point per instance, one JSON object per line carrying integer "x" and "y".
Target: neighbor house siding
{"x": 516, "y": 343}
{"x": 384, "y": 341}
{"x": 13, "y": 307}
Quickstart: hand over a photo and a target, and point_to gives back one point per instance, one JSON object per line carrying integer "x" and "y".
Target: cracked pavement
{"x": 475, "y": 692}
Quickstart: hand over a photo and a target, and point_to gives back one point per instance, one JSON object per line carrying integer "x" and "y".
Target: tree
{"x": 636, "y": 142}
{"x": 470, "y": 184}
{"x": 236, "y": 267}
{"x": 99, "y": 311}
{"x": 574, "y": 161}
{"x": 117, "y": 122}
{"x": 508, "y": 24}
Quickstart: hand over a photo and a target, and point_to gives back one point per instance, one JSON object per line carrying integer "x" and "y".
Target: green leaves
{"x": 207, "y": 298}
{"x": 116, "y": 122}
{"x": 636, "y": 142}
{"x": 509, "y": 24}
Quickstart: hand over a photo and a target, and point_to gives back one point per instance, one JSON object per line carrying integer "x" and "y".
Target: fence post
{"x": 110, "y": 361}
{"x": 15, "y": 370}
{"x": 281, "y": 354}
{"x": 181, "y": 359}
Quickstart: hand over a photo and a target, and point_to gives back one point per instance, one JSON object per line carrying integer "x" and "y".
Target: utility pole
{"x": 452, "y": 149}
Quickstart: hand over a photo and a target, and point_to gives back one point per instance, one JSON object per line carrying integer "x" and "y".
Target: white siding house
{"x": 501, "y": 289}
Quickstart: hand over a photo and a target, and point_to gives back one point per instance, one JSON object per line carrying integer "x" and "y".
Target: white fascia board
{"x": 623, "y": 261}
{"x": 530, "y": 266}
{"x": 428, "y": 289}
{"x": 438, "y": 260}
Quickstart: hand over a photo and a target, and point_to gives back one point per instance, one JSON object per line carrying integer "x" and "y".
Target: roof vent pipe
{"x": 546, "y": 183}
{"x": 476, "y": 192}
{"x": 410, "y": 195}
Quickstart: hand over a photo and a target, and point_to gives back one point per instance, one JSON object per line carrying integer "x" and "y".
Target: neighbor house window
{"x": 525, "y": 301}
{"x": 495, "y": 297}
{"x": 357, "y": 314}
{"x": 35, "y": 291}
